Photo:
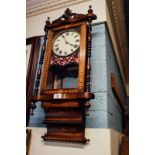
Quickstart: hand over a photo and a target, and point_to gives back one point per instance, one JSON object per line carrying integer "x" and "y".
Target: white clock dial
{"x": 66, "y": 42}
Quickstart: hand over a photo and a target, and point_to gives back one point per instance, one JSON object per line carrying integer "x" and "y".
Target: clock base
{"x": 47, "y": 137}
{"x": 65, "y": 122}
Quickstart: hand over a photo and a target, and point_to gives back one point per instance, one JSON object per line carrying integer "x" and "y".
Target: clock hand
{"x": 71, "y": 45}
{"x": 68, "y": 42}
{"x": 64, "y": 39}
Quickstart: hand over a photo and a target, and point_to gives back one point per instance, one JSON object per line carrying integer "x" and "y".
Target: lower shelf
{"x": 65, "y": 124}
{"x": 69, "y": 137}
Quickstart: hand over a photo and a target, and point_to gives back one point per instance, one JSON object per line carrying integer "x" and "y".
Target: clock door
{"x": 62, "y": 77}
{"x": 64, "y": 56}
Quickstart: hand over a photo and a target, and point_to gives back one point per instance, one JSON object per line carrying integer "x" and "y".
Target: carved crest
{"x": 70, "y": 17}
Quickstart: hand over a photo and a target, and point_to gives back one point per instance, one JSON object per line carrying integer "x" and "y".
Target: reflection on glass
{"x": 62, "y": 77}
{"x": 63, "y": 70}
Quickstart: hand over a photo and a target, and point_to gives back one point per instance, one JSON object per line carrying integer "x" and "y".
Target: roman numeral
{"x": 67, "y": 33}
{"x": 75, "y": 46}
{"x": 57, "y": 49}
{"x": 77, "y": 40}
{"x": 60, "y": 52}
{"x": 76, "y": 36}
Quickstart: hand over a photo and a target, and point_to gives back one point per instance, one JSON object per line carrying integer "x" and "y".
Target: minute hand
{"x": 68, "y": 42}
{"x": 72, "y": 45}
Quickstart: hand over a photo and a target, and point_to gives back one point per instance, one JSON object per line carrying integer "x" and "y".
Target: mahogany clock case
{"x": 64, "y": 62}
{"x": 65, "y": 106}
{"x": 59, "y": 63}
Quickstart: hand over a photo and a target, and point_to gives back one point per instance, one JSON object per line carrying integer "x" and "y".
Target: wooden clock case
{"x": 66, "y": 108}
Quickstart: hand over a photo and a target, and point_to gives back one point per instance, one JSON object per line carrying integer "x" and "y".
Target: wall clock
{"x": 65, "y": 77}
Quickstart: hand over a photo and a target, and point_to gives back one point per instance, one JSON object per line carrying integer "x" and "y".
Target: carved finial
{"x": 91, "y": 14}
{"x": 68, "y": 11}
{"x": 48, "y": 20}
{"x": 90, "y": 9}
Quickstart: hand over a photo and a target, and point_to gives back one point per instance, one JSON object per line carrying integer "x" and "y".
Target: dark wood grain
{"x": 117, "y": 22}
{"x": 30, "y": 77}
{"x": 39, "y": 71}
{"x": 69, "y": 18}
{"x": 124, "y": 146}
{"x": 82, "y": 58}
{"x": 28, "y": 140}
{"x": 65, "y": 115}
{"x": 122, "y": 104}
{"x": 50, "y": 97}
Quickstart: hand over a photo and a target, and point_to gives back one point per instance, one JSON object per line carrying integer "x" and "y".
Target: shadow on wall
{"x": 66, "y": 144}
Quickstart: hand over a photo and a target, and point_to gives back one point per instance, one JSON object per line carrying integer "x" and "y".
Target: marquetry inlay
{"x": 66, "y": 108}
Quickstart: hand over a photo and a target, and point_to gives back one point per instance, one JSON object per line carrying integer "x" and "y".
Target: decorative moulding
{"x": 116, "y": 21}
{"x": 50, "y": 6}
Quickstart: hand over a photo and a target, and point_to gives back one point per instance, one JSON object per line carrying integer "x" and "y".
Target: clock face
{"x": 66, "y": 42}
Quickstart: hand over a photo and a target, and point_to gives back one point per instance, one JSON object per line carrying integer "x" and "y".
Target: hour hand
{"x": 64, "y": 39}
{"x": 68, "y": 42}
